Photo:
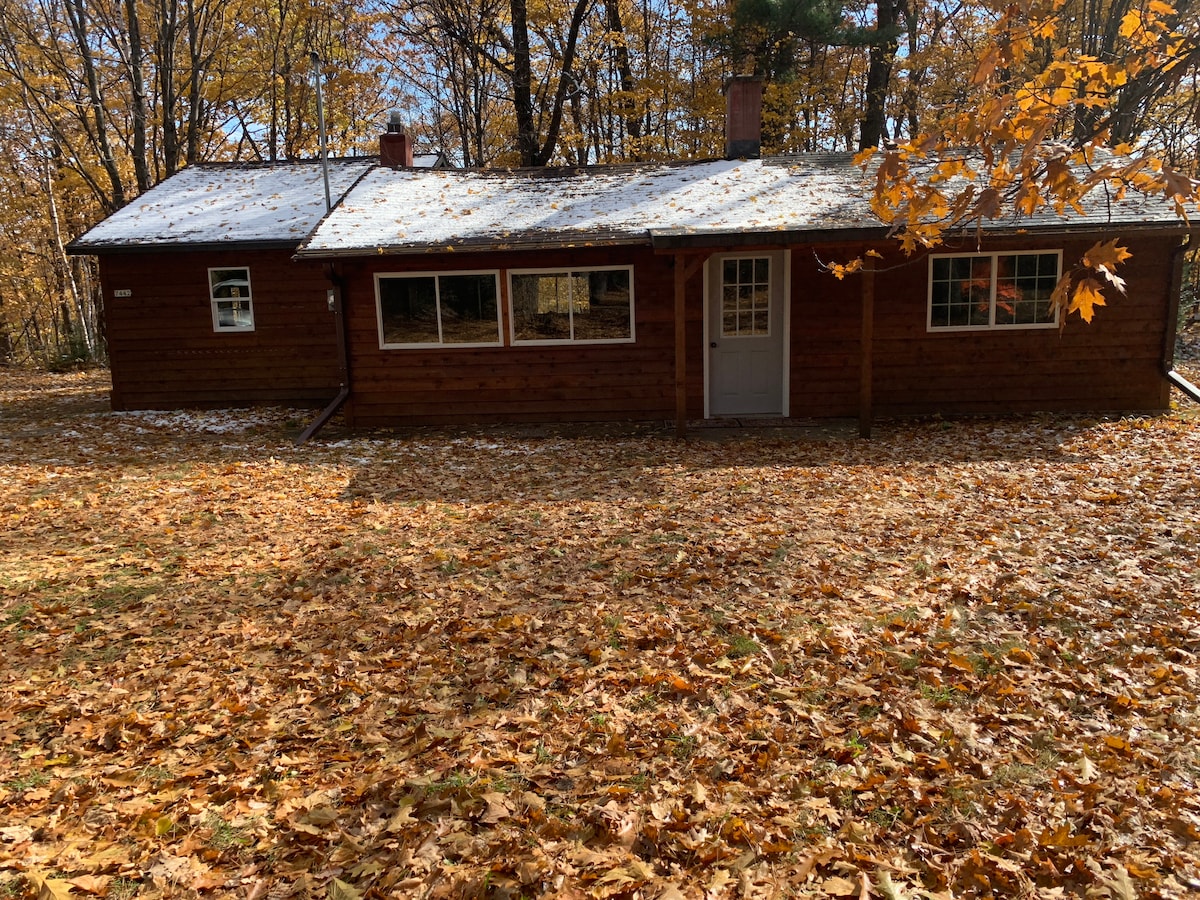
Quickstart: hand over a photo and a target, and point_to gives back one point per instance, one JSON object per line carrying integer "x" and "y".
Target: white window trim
{"x": 213, "y": 301}
{"x": 992, "y": 325}
{"x": 770, "y": 286}
{"x": 436, "y": 275}
{"x": 567, "y": 270}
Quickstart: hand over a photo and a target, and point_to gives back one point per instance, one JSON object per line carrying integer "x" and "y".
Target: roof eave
{"x": 78, "y": 248}
{"x": 1085, "y": 228}
{"x": 668, "y": 240}
{"x": 474, "y": 246}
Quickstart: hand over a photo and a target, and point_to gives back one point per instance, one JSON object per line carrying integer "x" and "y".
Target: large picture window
{"x": 993, "y": 290}
{"x": 580, "y": 305}
{"x": 451, "y": 308}
{"x": 229, "y": 293}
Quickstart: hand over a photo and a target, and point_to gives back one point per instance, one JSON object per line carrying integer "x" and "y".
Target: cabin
{"x": 665, "y": 291}
{"x": 204, "y": 303}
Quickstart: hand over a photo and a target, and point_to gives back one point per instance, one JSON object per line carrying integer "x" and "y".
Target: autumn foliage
{"x": 958, "y": 660}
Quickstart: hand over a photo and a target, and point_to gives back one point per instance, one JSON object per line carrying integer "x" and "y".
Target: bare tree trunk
{"x": 63, "y": 264}
{"x": 873, "y": 125}
{"x": 137, "y": 84}
{"x": 78, "y": 18}
{"x": 522, "y": 86}
{"x": 626, "y": 101}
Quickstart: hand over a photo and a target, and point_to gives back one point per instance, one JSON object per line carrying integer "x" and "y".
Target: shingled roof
{"x": 801, "y": 198}
{"x": 225, "y": 204}
{"x": 805, "y": 198}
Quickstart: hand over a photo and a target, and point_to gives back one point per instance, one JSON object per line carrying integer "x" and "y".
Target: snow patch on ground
{"x": 216, "y": 421}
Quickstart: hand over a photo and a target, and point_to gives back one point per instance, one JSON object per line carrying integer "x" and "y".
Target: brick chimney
{"x": 743, "y": 117}
{"x": 395, "y": 147}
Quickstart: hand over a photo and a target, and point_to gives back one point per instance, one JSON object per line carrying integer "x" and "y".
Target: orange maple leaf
{"x": 1086, "y": 298}
{"x": 1107, "y": 255}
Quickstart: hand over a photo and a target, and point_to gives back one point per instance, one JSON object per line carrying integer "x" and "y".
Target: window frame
{"x": 769, "y": 259}
{"x": 992, "y": 324}
{"x": 440, "y": 344}
{"x": 214, "y": 300}
{"x": 570, "y": 271}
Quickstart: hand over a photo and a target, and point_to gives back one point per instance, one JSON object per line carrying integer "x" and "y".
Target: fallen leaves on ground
{"x": 957, "y": 660}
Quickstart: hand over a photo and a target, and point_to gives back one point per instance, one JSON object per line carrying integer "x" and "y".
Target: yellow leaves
{"x": 841, "y": 270}
{"x": 1108, "y": 255}
{"x": 987, "y": 206}
{"x": 892, "y": 697}
{"x": 340, "y": 890}
{"x": 1081, "y": 289}
{"x": 1085, "y": 297}
{"x": 50, "y": 888}
{"x": 1177, "y": 184}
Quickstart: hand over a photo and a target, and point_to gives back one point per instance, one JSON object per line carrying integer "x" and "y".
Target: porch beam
{"x": 686, "y": 265}
{"x": 866, "y": 376}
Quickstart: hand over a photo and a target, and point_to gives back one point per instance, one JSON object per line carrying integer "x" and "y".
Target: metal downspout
{"x": 343, "y": 394}
{"x": 1168, "y": 357}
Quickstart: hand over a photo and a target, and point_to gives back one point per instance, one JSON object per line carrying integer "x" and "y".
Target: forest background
{"x": 102, "y": 99}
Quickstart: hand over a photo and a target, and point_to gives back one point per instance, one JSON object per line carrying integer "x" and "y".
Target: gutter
{"x": 337, "y": 307}
{"x": 1168, "y": 357}
{"x": 326, "y": 414}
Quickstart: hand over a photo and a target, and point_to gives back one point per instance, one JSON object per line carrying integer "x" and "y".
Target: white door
{"x": 746, "y": 340}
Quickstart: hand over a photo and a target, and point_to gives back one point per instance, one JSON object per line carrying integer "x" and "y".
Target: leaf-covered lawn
{"x": 959, "y": 659}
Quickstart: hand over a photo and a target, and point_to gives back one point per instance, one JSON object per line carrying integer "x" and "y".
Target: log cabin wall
{"x": 825, "y": 334}
{"x": 522, "y": 383}
{"x": 1110, "y": 365}
{"x": 165, "y": 353}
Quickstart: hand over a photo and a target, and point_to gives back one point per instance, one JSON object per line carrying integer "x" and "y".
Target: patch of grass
{"x": 224, "y": 836}
{"x": 683, "y": 746}
{"x": 944, "y": 695}
{"x": 454, "y": 781}
{"x": 868, "y": 712}
{"x": 16, "y": 615}
{"x": 885, "y": 816}
{"x": 645, "y": 700}
{"x": 780, "y": 554}
{"x": 27, "y": 782}
{"x": 123, "y": 593}
{"x": 155, "y": 775}
{"x": 614, "y": 625}
{"x": 984, "y": 664}
{"x": 741, "y": 646}
{"x": 122, "y": 888}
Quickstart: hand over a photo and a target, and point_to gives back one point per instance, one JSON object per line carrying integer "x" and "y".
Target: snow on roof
{"x": 226, "y": 203}
{"x": 399, "y": 210}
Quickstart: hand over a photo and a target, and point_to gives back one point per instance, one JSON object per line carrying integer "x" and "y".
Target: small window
{"x": 229, "y": 292}
{"x": 453, "y": 308}
{"x": 993, "y": 290}
{"x": 746, "y": 297}
{"x": 572, "y": 305}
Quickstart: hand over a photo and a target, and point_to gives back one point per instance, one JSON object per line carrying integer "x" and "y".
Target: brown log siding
{"x": 1113, "y": 364}
{"x": 546, "y": 383}
{"x": 163, "y": 350}
{"x": 165, "y": 354}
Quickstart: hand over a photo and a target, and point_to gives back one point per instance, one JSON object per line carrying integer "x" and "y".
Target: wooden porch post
{"x": 685, "y": 267}
{"x": 681, "y": 275}
{"x": 865, "y": 412}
